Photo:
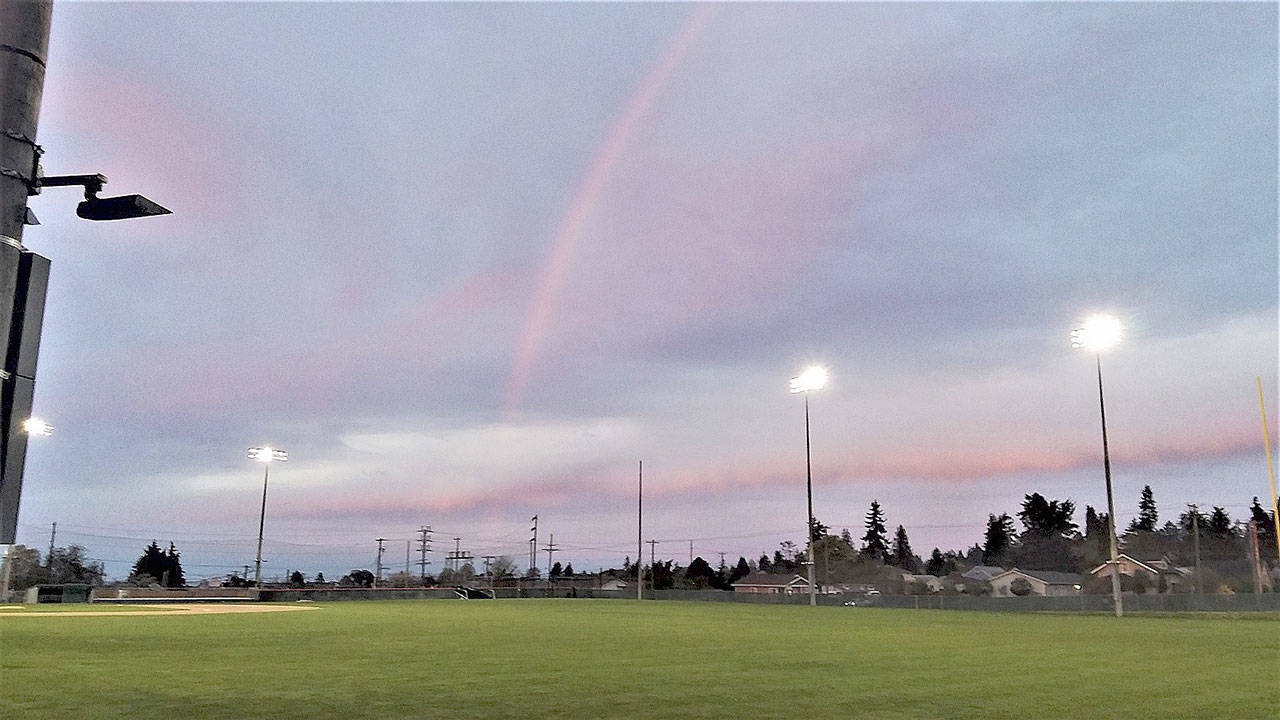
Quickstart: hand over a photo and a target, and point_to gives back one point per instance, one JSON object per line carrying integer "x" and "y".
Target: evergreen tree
{"x": 900, "y": 555}
{"x": 699, "y": 574}
{"x": 741, "y": 570}
{"x": 846, "y": 537}
{"x": 1266, "y": 529}
{"x": 999, "y": 539}
{"x": 556, "y": 570}
{"x": 1147, "y": 515}
{"x": 152, "y": 564}
{"x": 1047, "y": 518}
{"x": 173, "y": 566}
{"x": 568, "y": 570}
{"x": 763, "y": 564}
{"x": 875, "y": 545}
{"x": 296, "y": 579}
{"x": 319, "y": 578}
{"x": 1219, "y": 524}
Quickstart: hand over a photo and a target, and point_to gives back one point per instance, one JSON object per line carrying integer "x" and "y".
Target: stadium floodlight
{"x": 813, "y": 378}
{"x": 265, "y": 455}
{"x": 1098, "y": 333}
{"x": 36, "y": 426}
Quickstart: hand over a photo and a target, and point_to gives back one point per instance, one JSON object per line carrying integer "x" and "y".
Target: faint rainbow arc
{"x": 565, "y": 242}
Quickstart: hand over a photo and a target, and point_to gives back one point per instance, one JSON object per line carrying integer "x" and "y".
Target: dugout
{"x": 67, "y": 593}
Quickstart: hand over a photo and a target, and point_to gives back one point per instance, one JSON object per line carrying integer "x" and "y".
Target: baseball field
{"x": 622, "y": 659}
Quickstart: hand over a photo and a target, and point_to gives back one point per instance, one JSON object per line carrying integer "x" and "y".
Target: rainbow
{"x": 569, "y": 231}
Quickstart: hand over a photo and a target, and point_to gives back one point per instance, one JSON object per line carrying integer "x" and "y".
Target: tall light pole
{"x": 814, "y": 378}
{"x": 1095, "y": 334}
{"x": 30, "y": 426}
{"x": 266, "y": 456}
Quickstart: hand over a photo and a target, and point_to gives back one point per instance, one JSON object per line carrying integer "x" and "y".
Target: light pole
{"x": 1098, "y": 333}
{"x": 266, "y": 456}
{"x": 31, "y": 426}
{"x": 813, "y": 378}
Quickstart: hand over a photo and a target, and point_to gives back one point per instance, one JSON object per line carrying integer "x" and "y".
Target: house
{"x": 772, "y": 583}
{"x": 983, "y": 573}
{"x": 617, "y": 584}
{"x": 930, "y": 583}
{"x": 1147, "y": 574}
{"x": 1043, "y": 582}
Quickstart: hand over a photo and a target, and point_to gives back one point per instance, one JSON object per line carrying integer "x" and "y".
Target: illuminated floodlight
{"x": 1097, "y": 333}
{"x": 812, "y": 378}
{"x": 36, "y": 426}
{"x": 266, "y": 455}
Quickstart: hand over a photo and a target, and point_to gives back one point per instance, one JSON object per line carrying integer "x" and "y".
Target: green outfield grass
{"x": 619, "y": 659}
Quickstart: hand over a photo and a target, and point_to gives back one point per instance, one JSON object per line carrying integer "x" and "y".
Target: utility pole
{"x": 52, "y": 534}
{"x": 1195, "y": 529}
{"x": 246, "y": 571}
{"x": 1254, "y": 559}
{"x": 653, "y": 574}
{"x": 378, "y": 575}
{"x": 533, "y": 546}
{"x": 721, "y": 554}
{"x": 488, "y": 562}
{"x": 457, "y": 556}
{"x": 407, "y": 545}
{"x": 425, "y": 531}
{"x": 550, "y": 548}
{"x": 24, "y": 275}
{"x": 640, "y": 536}
{"x": 690, "y": 552}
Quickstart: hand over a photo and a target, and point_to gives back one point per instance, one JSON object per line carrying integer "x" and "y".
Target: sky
{"x": 469, "y": 263}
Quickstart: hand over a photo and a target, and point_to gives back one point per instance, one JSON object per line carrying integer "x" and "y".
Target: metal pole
{"x": 1111, "y": 508}
{"x": 640, "y": 536}
{"x": 1195, "y": 529}
{"x": 1271, "y": 473}
{"x": 24, "y": 43}
{"x": 808, "y": 484}
{"x": 53, "y": 534}
{"x": 262, "y": 518}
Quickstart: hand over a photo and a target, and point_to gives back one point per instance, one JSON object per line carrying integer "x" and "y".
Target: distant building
{"x": 982, "y": 572}
{"x": 1148, "y": 573}
{"x": 930, "y": 583}
{"x": 772, "y": 583}
{"x": 1043, "y": 582}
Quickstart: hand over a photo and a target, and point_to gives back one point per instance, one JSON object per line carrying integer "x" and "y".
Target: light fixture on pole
{"x": 266, "y": 456}
{"x": 36, "y": 426}
{"x": 1096, "y": 334}
{"x": 31, "y": 426}
{"x": 813, "y": 378}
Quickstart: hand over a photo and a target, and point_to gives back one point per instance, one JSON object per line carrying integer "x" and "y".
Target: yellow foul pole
{"x": 1271, "y": 473}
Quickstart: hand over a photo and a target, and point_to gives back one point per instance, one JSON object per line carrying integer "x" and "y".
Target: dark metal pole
{"x": 808, "y": 484}
{"x": 1111, "y": 508}
{"x": 640, "y": 536}
{"x": 24, "y": 43}
{"x": 262, "y": 518}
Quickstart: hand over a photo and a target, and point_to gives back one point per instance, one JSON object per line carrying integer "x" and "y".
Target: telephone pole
{"x": 488, "y": 562}
{"x": 423, "y": 544}
{"x": 378, "y": 575}
{"x": 457, "y": 556}
{"x": 690, "y": 552}
{"x": 407, "y": 545}
{"x": 1195, "y": 529}
{"x": 52, "y": 534}
{"x": 653, "y": 574}
{"x": 550, "y": 547}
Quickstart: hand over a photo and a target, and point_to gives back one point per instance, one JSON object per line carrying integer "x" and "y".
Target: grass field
{"x": 618, "y": 659}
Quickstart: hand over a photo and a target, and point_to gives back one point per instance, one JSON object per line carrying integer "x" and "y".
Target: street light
{"x": 813, "y": 378}
{"x": 1095, "y": 334}
{"x": 266, "y": 456}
